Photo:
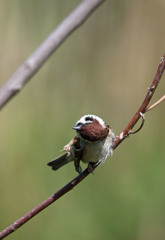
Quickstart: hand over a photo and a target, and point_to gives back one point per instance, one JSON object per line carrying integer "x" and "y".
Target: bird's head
{"x": 92, "y": 128}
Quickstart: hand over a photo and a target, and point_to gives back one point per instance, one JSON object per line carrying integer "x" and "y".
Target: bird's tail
{"x": 59, "y": 161}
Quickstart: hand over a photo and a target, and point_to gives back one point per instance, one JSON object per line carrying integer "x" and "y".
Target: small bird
{"x": 92, "y": 144}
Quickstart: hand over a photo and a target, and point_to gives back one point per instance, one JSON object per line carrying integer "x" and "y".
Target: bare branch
{"x": 145, "y": 103}
{"x": 85, "y": 173}
{"x": 43, "y": 205}
{"x": 38, "y": 58}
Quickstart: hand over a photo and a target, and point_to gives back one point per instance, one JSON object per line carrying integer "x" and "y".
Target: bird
{"x": 93, "y": 143}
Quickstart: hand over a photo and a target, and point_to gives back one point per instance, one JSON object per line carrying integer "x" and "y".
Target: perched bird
{"x": 93, "y": 144}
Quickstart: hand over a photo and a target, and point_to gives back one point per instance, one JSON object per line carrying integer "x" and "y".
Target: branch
{"x": 43, "y": 205}
{"x": 38, "y": 58}
{"x": 85, "y": 173}
{"x": 143, "y": 107}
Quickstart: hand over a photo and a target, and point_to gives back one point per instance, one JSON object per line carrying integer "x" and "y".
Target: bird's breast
{"x": 99, "y": 151}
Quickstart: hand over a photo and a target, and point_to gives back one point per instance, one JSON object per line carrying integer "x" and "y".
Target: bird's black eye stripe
{"x": 78, "y": 124}
{"x": 89, "y": 119}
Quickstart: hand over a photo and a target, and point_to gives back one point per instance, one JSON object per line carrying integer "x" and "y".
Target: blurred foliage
{"x": 104, "y": 68}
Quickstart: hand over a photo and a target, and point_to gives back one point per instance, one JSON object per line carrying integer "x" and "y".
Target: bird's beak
{"x": 77, "y": 127}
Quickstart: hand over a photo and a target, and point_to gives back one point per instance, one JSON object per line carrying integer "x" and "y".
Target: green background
{"x": 104, "y": 68}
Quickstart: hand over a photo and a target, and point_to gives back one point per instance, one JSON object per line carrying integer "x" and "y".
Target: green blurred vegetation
{"x": 104, "y": 68}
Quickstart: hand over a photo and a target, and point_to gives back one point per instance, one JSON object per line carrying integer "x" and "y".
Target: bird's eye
{"x": 89, "y": 119}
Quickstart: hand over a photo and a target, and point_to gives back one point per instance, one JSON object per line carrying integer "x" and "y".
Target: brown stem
{"x": 85, "y": 173}
{"x": 142, "y": 108}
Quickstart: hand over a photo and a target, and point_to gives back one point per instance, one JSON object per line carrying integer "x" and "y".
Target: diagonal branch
{"x": 38, "y": 58}
{"x": 84, "y": 174}
{"x": 43, "y": 205}
{"x": 143, "y": 107}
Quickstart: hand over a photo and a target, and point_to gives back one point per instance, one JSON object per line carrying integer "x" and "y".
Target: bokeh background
{"x": 103, "y": 68}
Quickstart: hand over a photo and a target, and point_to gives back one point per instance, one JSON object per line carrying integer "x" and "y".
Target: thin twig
{"x": 38, "y": 58}
{"x": 156, "y": 103}
{"x": 143, "y": 120}
{"x": 85, "y": 173}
